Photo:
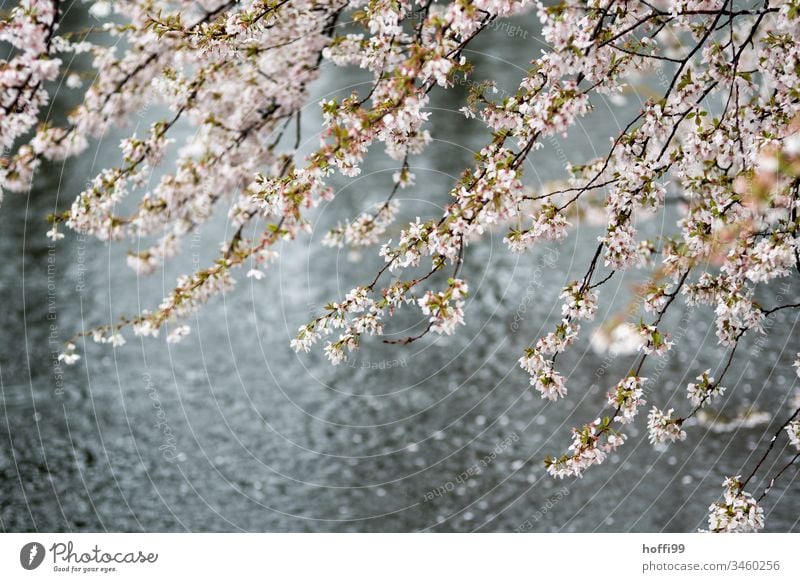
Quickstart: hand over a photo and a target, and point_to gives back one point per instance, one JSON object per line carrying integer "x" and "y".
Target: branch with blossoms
{"x": 723, "y": 138}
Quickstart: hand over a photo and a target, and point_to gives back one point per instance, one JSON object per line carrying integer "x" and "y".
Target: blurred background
{"x": 231, "y": 431}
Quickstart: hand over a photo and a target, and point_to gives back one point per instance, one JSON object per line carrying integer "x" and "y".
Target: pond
{"x": 230, "y": 430}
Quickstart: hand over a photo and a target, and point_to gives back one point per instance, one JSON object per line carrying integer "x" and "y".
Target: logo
{"x": 31, "y": 555}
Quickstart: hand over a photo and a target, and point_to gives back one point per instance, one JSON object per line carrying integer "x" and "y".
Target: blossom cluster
{"x": 30, "y": 30}
{"x": 445, "y": 309}
{"x": 793, "y": 430}
{"x": 723, "y": 139}
{"x": 663, "y": 427}
{"x": 543, "y": 376}
{"x": 590, "y": 446}
{"x": 738, "y": 512}
{"x": 627, "y": 398}
{"x": 704, "y": 389}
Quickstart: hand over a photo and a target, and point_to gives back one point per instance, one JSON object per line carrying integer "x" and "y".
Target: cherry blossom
{"x": 544, "y": 377}
{"x": 590, "y": 446}
{"x": 663, "y": 428}
{"x": 581, "y": 303}
{"x": 445, "y": 309}
{"x": 738, "y": 512}
{"x": 704, "y": 389}
{"x": 721, "y": 141}
{"x": 793, "y": 430}
{"x": 627, "y": 398}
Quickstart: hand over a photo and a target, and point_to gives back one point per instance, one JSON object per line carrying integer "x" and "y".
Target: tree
{"x": 722, "y": 141}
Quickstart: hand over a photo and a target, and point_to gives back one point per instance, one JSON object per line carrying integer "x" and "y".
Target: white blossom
{"x": 445, "y": 310}
{"x": 738, "y": 512}
{"x": 627, "y": 398}
{"x": 580, "y": 303}
{"x": 178, "y": 333}
{"x": 704, "y": 389}
{"x": 543, "y": 377}
{"x": 793, "y": 430}
{"x": 663, "y": 427}
{"x": 68, "y": 356}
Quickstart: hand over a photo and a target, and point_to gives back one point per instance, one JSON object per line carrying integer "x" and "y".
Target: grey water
{"x": 230, "y": 430}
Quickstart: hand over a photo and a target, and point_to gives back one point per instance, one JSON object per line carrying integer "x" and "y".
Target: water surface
{"x": 232, "y": 431}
